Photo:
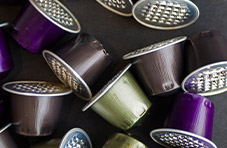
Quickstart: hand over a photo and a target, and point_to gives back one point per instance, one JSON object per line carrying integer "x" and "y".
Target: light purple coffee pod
{"x": 188, "y": 124}
{"x": 41, "y": 23}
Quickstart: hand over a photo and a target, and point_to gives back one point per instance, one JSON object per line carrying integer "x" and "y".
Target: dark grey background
{"x": 118, "y": 35}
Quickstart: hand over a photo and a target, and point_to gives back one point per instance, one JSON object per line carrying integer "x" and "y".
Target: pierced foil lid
{"x": 67, "y": 75}
{"x": 76, "y": 138}
{"x": 58, "y": 14}
{"x": 207, "y": 80}
{"x": 165, "y": 14}
{"x": 120, "y": 7}
{"x": 106, "y": 87}
{"x": 36, "y": 88}
{"x": 154, "y": 47}
{"x": 177, "y": 138}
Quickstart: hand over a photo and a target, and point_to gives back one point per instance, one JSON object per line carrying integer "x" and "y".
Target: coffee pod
{"x": 120, "y": 7}
{"x": 6, "y": 63}
{"x": 41, "y": 22}
{"x": 206, "y": 64}
{"x": 35, "y": 106}
{"x": 160, "y": 66}
{"x": 75, "y": 138}
{"x": 165, "y": 14}
{"x": 79, "y": 64}
{"x": 119, "y": 140}
{"x": 121, "y": 101}
{"x": 188, "y": 124}
{"x": 5, "y": 139}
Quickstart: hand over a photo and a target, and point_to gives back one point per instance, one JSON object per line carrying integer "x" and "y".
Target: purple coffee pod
{"x": 5, "y": 139}
{"x": 79, "y": 63}
{"x": 188, "y": 124}
{"x": 35, "y": 106}
{"x": 6, "y": 63}
{"x": 206, "y": 64}
{"x": 120, "y": 7}
{"x": 41, "y": 23}
{"x": 160, "y": 66}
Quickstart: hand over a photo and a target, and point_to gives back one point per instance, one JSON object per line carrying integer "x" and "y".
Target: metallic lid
{"x": 58, "y": 14}
{"x": 165, "y": 14}
{"x": 76, "y": 138}
{"x": 154, "y": 47}
{"x": 178, "y": 138}
{"x": 120, "y": 7}
{"x": 106, "y": 87}
{"x": 5, "y": 127}
{"x": 207, "y": 80}
{"x": 67, "y": 75}
{"x": 36, "y": 88}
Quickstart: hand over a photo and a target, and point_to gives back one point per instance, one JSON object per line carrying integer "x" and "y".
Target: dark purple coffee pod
{"x": 6, "y": 63}
{"x": 79, "y": 64}
{"x": 160, "y": 66}
{"x": 188, "y": 124}
{"x": 206, "y": 64}
{"x": 41, "y": 23}
{"x": 35, "y": 106}
{"x": 5, "y": 139}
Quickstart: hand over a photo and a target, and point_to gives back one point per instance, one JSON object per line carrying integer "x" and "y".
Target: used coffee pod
{"x": 160, "y": 66}
{"x": 79, "y": 64}
{"x": 35, "y": 106}
{"x": 119, "y": 140}
{"x": 121, "y": 101}
{"x": 120, "y": 7}
{"x": 165, "y": 14}
{"x": 41, "y": 23}
{"x": 206, "y": 64}
{"x": 5, "y": 139}
{"x": 6, "y": 63}
{"x": 188, "y": 124}
{"x": 75, "y": 138}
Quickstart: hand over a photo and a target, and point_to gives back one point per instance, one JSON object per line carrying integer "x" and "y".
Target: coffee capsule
{"x": 79, "y": 64}
{"x": 41, "y": 22}
{"x": 5, "y": 139}
{"x": 75, "y": 138}
{"x": 165, "y": 14}
{"x": 160, "y": 66}
{"x": 206, "y": 64}
{"x": 188, "y": 124}
{"x": 6, "y": 63}
{"x": 120, "y": 7}
{"x": 121, "y": 101}
{"x": 119, "y": 140}
{"x": 35, "y": 106}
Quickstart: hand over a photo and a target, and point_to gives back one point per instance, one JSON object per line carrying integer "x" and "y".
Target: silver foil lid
{"x": 165, "y": 14}
{"x": 76, "y": 138}
{"x": 36, "y": 88}
{"x": 67, "y": 75}
{"x": 154, "y": 47}
{"x": 58, "y": 14}
{"x": 207, "y": 80}
{"x": 106, "y": 87}
{"x": 120, "y": 7}
{"x": 177, "y": 138}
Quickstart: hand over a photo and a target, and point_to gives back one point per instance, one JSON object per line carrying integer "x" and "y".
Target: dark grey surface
{"x": 118, "y": 35}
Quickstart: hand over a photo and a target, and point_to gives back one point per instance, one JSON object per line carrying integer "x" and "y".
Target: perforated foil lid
{"x": 165, "y": 14}
{"x": 106, "y": 87}
{"x": 154, "y": 47}
{"x": 177, "y": 138}
{"x": 58, "y": 14}
{"x": 207, "y": 80}
{"x": 76, "y": 138}
{"x": 121, "y": 7}
{"x": 36, "y": 88}
{"x": 67, "y": 75}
